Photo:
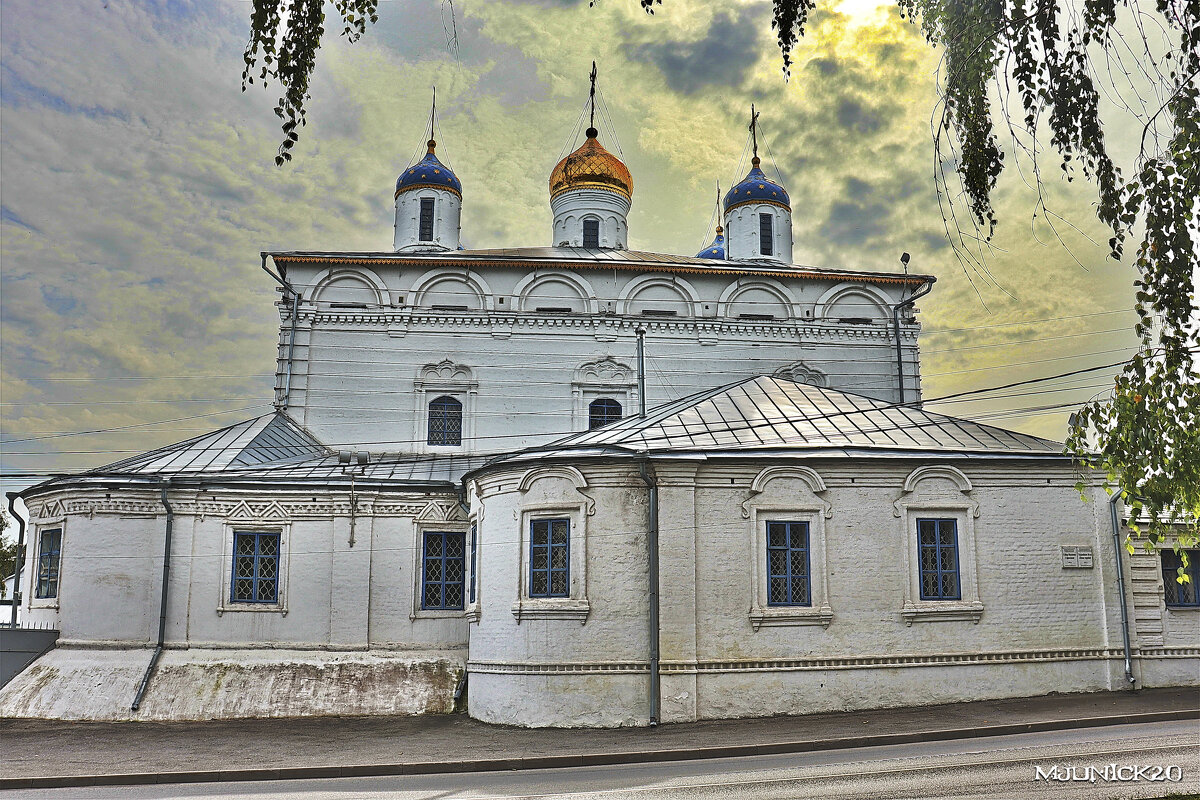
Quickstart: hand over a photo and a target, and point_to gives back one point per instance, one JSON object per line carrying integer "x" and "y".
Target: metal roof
{"x": 770, "y": 413}
{"x": 597, "y": 258}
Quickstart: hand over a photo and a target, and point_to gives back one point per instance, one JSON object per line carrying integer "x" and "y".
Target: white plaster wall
{"x": 741, "y": 232}
{"x": 609, "y": 208}
{"x": 447, "y": 219}
{"x": 354, "y": 372}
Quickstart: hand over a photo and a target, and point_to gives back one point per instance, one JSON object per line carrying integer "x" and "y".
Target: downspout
{"x": 287, "y": 379}
{"x": 162, "y": 609}
{"x": 926, "y": 289}
{"x": 652, "y": 547}
{"x": 20, "y": 562}
{"x": 1116, "y": 532}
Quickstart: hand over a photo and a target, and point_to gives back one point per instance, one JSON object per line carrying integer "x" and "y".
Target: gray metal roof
{"x": 603, "y": 258}
{"x": 769, "y": 413}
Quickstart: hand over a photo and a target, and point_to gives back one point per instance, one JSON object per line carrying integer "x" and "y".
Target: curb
{"x": 586, "y": 759}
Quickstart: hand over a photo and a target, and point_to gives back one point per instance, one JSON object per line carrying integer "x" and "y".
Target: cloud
{"x": 722, "y": 57}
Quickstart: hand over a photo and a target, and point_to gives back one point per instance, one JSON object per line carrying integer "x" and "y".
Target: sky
{"x": 137, "y": 187}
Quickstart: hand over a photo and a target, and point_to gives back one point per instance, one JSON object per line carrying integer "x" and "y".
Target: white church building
{"x": 459, "y": 501}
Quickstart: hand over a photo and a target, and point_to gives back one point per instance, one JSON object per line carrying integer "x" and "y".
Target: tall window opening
{"x": 426, "y": 232}
{"x": 603, "y": 411}
{"x": 1178, "y": 595}
{"x": 938, "y": 544}
{"x": 765, "y": 235}
{"x": 445, "y": 422}
{"x": 255, "y": 567}
{"x": 474, "y": 549}
{"x": 591, "y": 232}
{"x": 443, "y": 572}
{"x": 49, "y": 550}
{"x": 788, "y": 581}
{"x": 549, "y": 558}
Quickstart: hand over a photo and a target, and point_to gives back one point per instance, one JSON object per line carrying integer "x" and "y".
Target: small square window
{"x": 255, "y": 567}
{"x": 442, "y": 571}
{"x": 938, "y": 559}
{"x": 549, "y": 558}
{"x": 1176, "y": 594}
{"x": 788, "y": 572}
{"x": 49, "y": 551}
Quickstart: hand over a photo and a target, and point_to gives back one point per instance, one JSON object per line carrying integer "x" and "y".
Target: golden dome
{"x": 593, "y": 167}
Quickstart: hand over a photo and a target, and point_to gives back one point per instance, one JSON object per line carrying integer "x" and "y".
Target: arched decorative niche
{"x": 755, "y": 299}
{"x": 855, "y": 304}
{"x": 801, "y": 372}
{"x": 451, "y": 290}
{"x": 555, "y": 291}
{"x": 656, "y": 296}
{"x": 348, "y": 287}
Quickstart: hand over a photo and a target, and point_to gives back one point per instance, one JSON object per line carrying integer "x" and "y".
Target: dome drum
{"x": 591, "y": 192}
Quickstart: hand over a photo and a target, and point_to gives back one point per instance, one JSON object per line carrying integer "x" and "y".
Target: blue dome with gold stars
{"x": 757, "y": 188}
{"x": 429, "y": 173}
{"x": 717, "y": 248}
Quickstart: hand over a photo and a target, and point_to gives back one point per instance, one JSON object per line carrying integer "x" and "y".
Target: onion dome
{"x": 717, "y": 248}
{"x": 429, "y": 173}
{"x": 757, "y": 188}
{"x": 591, "y": 167}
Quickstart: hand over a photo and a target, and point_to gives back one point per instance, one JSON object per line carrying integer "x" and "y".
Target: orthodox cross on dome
{"x": 754, "y": 130}
{"x": 591, "y": 131}
{"x": 432, "y": 119}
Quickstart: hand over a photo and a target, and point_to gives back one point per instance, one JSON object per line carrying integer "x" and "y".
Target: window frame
{"x": 257, "y": 558}
{"x": 938, "y": 571}
{"x": 225, "y": 602}
{"x": 424, "y": 206}
{"x": 591, "y": 406}
{"x": 787, "y": 576}
{"x": 574, "y": 605}
{"x": 430, "y": 419}
{"x": 766, "y": 233}
{"x": 584, "y": 233}
{"x": 38, "y": 593}
{"x": 1193, "y": 570}
{"x": 550, "y": 547}
{"x": 458, "y": 382}
{"x": 444, "y": 535}
{"x": 417, "y": 609}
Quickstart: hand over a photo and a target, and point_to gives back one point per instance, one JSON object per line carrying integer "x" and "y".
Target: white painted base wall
{"x": 96, "y": 684}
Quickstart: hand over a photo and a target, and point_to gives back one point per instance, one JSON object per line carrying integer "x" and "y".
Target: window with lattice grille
{"x": 443, "y": 560}
{"x": 938, "y": 557}
{"x": 426, "y": 232}
{"x": 49, "y": 552}
{"x": 550, "y": 558}
{"x": 591, "y": 232}
{"x": 1176, "y": 594}
{"x": 255, "y": 567}
{"x": 445, "y": 422}
{"x": 788, "y": 572}
{"x": 603, "y": 411}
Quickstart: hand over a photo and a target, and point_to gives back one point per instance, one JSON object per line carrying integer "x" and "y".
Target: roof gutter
{"x": 20, "y": 561}
{"x": 162, "y": 608}
{"x": 282, "y": 403}
{"x": 924, "y": 290}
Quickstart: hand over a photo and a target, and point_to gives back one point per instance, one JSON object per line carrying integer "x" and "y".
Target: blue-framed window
{"x": 788, "y": 571}
{"x": 1181, "y": 595}
{"x": 603, "y": 411}
{"x": 255, "y": 567}
{"x": 445, "y": 422}
{"x": 442, "y": 570}
{"x": 937, "y": 541}
{"x": 474, "y": 551}
{"x": 550, "y": 558}
{"x": 49, "y": 551}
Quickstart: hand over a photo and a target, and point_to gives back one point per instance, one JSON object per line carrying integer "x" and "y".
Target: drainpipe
{"x": 162, "y": 609}
{"x": 20, "y": 563}
{"x": 652, "y": 546}
{"x": 641, "y": 371}
{"x": 287, "y": 287}
{"x": 926, "y": 289}
{"x": 1116, "y": 532}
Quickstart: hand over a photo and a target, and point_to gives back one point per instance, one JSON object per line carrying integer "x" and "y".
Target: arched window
{"x": 591, "y": 232}
{"x": 445, "y": 422}
{"x": 603, "y": 411}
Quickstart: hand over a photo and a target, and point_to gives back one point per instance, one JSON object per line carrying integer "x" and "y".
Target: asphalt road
{"x": 1000, "y": 768}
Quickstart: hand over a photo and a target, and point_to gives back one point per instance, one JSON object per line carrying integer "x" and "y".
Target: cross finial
{"x": 592, "y": 103}
{"x": 754, "y": 129}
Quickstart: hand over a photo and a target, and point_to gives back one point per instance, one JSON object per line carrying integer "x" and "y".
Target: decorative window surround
{"x": 575, "y": 605}
{"x": 964, "y": 511}
{"x": 456, "y": 381}
{"x": 813, "y": 510}
{"x": 224, "y": 603}
{"x": 606, "y": 378}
